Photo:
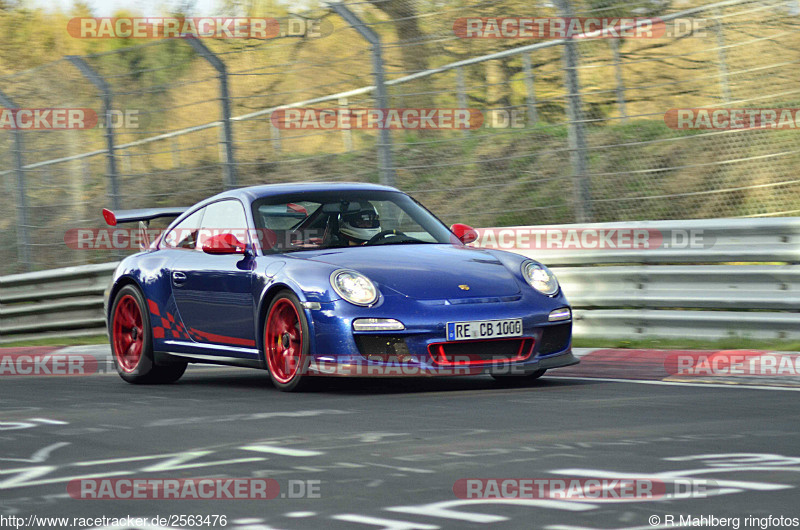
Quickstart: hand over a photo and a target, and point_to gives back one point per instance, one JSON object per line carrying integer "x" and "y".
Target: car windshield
{"x": 336, "y": 219}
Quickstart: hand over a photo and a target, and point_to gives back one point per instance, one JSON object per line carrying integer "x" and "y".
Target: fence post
{"x": 176, "y": 153}
{"x": 229, "y": 170}
{"x": 576, "y": 133}
{"x": 347, "y": 133}
{"x": 620, "y": 83}
{"x": 275, "y": 136}
{"x": 381, "y": 96}
{"x": 723, "y": 58}
{"x": 530, "y": 92}
{"x": 105, "y": 92}
{"x": 23, "y": 243}
{"x": 462, "y": 92}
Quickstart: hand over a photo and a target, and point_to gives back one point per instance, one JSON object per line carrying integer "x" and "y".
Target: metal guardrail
{"x": 743, "y": 280}
{"x": 64, "y": 302}
{"x": 748, "y": 240}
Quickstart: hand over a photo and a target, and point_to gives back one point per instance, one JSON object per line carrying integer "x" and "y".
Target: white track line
{"x": 283, "y": 451}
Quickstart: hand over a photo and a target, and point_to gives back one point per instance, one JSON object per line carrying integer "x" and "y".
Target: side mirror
{"x": 223, "y": 244}
{"x": 465, "y": 233}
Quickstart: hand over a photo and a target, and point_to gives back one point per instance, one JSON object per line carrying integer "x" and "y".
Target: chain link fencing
{"x": 572, "y": 130}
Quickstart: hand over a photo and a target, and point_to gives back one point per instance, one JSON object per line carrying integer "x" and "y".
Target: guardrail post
{"x": 385, "y": 141}
{"x": 107, "y": 96}
{"x": 23, "y": 243}
{"x": 229, "y": 175}
{"x": 576, "y": 133}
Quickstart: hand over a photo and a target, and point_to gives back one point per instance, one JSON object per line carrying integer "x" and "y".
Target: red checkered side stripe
{"x": 168, "y": 328}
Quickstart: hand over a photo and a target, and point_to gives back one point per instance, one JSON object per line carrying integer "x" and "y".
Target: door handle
{"x": 178, "y": 278}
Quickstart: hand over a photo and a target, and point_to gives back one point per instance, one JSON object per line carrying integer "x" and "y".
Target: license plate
{"x": 484, "y": 329}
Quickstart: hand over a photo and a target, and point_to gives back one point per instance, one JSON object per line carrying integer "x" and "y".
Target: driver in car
{"x": 360, "y": 226}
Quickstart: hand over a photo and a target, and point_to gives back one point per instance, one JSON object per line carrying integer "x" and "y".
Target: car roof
{"x": 251, "y": 193}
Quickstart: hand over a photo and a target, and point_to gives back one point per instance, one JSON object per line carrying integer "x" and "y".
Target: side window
{"x": 224, "y": 217}
{"x": 393, "y": 217}
{"x": 184, "y": 235}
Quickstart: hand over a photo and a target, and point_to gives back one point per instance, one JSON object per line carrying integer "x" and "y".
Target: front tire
{"x": 132, "y": 342}
{"x": 286, "y": 342}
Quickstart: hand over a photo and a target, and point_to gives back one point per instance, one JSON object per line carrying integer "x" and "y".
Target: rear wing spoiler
{"x": 144, "y": 216}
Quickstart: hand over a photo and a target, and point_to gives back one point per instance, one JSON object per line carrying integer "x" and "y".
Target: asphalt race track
{"x": 387, "y": 453}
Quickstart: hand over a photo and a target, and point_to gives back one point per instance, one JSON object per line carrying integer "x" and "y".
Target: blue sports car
{"x": 319, "y": 279}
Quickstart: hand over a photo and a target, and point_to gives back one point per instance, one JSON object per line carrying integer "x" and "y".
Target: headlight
{"x": 540, "y": 278}
{"x": 354, "y": 287}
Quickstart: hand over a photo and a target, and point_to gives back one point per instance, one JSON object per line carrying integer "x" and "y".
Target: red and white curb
{"x": 760, "y": 368}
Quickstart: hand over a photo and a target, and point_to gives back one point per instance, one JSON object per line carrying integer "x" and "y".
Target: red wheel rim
{"x": 128, "y": 333}
{"x": 283, "y": 340}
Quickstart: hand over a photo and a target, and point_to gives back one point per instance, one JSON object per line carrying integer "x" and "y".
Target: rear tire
{"x": 286, "y": 342}
{"x": 132, "y": 342}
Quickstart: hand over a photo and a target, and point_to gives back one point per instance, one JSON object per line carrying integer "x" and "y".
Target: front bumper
{"x": 417, "y": 350}
{"x": 365, "y": 368}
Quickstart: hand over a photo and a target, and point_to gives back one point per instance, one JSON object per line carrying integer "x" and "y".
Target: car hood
{"x": 427, "y": 271}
